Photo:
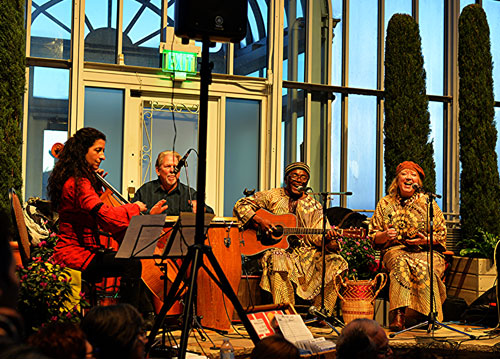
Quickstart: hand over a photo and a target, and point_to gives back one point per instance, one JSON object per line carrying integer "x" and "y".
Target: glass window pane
{"x": 141, "y": 32}
{"x": 337, "y": 44}
{"x": 293, "y": 125}
{"x": 241, "y": 163}
{"x": 47, "y": 125}
{"x": 336, "y": 142}
{"x": 492, "y": 9}
{"x": 363, "y": 44}
{"x": 104, "y": 111}
{"x": 396, "y": 7}
{"x": 51, "y": 29}
{"x": 165, "y": 130}
{"x": 464, "y": 3}
{"x": 437, "y": 136}
{"x": 361, "y": 157}
{"x": 431, "y": 25}
{"x": 100, "y": 31}
{"x": 250, "y": 55}
{"x": 294, "y": 41}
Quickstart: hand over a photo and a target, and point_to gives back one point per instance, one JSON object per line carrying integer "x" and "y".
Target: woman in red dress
{"x": 84, "y": 218}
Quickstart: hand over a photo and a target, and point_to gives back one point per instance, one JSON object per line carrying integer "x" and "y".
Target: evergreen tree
{"x": 479, "y": 182}
{"x": 12, "y": 81}
{"x": 407, "y": 120}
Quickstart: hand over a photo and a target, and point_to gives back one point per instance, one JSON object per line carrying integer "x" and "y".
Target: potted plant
{"x": 473, "y": 272}
{"x": 47, "y": 292}
{"x": 358, "y": 291}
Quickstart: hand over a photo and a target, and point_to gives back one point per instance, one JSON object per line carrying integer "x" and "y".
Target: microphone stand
{"x": 431, "y": 323}
{"x": 325, "y": 196}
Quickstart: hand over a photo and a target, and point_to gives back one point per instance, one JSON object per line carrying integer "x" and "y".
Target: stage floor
{"x": 442, "y": 343}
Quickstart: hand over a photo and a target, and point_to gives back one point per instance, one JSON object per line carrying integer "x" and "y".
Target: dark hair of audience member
{"x": 61, "y": 341}
{"x": 275, "y": 347}
{"x": 355, "y": 343}
{"x": 115, "y": 331}
{"x": 9, "y": 283}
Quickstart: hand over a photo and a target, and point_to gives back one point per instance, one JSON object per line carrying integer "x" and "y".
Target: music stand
{"x": 142, "y": 236}
{"x": 196, "y": 252}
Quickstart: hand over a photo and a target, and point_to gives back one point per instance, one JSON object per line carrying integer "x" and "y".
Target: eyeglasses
{"x": 295, "y": 177}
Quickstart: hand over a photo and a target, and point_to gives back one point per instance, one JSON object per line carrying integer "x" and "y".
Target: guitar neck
{"x": 288, "y": 231}
{"x": 350, "y": 232}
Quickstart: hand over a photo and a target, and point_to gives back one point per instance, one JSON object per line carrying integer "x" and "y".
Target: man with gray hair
{"x": 363, "y": 339}
{"x": 167, "y": 194}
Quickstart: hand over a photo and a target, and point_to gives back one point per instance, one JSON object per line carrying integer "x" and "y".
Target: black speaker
{"x": 215, "y": 20}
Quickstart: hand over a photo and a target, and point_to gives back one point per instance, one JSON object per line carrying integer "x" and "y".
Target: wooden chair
{"x": 22, "y": 232}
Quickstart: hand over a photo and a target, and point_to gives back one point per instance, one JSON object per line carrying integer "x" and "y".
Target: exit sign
{"x": 179, "y": 63}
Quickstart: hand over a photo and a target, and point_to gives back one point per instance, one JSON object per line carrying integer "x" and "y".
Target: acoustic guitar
{"x": 254, "y": 241}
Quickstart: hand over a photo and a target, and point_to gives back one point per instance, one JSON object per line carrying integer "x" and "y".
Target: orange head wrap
{"x": 412, "y": 166}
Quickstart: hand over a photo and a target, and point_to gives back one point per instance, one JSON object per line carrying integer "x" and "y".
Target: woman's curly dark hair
{"x": 72, "y": 163}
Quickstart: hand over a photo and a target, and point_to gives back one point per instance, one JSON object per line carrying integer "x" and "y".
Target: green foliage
{"x": 407, "y": 120}
{"x": 12, "y": 82}
{"x": 479, "y": 181}
{"x": 482, "y": 245}
{"x": 360, "y": 256}
{"x": 45, "y": 289}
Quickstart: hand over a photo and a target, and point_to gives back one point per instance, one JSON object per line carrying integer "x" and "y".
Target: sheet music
{"x": 293, "y": 327}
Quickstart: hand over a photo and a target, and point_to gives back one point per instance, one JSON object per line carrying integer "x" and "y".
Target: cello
{"x": 151, "y": 273}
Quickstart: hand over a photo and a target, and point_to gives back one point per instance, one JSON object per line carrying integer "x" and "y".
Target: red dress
{"x": 82, "y": 215}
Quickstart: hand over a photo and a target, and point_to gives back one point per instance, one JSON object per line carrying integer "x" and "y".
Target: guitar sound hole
{"x": 278, "y": 232}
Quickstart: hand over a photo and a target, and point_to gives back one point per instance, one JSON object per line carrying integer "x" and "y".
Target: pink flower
{"x": 53, "y": 318}
{"x": 43, "y": 284}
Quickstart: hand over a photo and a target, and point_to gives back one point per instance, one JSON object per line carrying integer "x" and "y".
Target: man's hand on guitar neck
{"x": 331, "y": 239}
{"x": 264, "y": 224}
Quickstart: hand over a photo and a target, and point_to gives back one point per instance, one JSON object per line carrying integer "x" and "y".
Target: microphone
{"x": 317, "y": 313}
{"x": 417, "y": 188}
{"x": 182, "y": 162}
{"x": 421, "y": 189}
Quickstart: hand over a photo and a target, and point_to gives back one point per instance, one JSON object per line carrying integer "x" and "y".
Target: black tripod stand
{"x": 431, "y": 323}
{"x": 194, "y": 258}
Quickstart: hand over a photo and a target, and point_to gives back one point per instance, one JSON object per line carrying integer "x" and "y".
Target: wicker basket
{"x": 357, "y": 296}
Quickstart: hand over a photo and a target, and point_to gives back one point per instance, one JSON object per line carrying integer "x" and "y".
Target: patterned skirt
{"x": 300, "y": 271}
{"x": 410, "y": 280}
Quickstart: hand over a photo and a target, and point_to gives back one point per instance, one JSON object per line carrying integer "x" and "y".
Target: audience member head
{"x": 275, "y": 347}
{"x": 9, "y": 283}
{"x": 115, "y": 331}
{"x": 363, "y": 339}
{"x": 61, "y": 341}
{"x": 11, "y": 324}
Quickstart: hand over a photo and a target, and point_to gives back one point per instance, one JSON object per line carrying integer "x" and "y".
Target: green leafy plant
{"x": 407, "y": 121}
{"x": 360, "y": 256}
{"x": 45, "y": 293}
{"x": 479, "y": 181}
{"x": 481, "y": 245}
{"x": 12, "y": 90}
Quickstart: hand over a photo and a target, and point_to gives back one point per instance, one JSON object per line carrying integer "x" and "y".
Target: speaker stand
{"x": 194, "y": 259}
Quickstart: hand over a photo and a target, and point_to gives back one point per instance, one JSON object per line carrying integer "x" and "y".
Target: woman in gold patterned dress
{"x": 400, "y": 228}
{"x": 299, "y": 268}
